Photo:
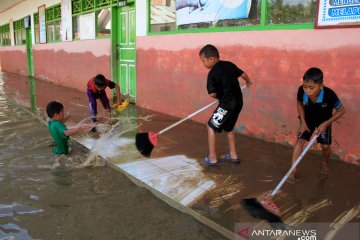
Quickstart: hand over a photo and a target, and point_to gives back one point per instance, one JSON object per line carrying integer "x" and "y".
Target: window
{"x": 19, "y": 32}
{"x": 291, "y": 11}
{"x": 53, "y": 31}
{"x": 53, "y": 21}
{"x": 36, "y": 27}
{"x": 103, "y": 20}
{"x": 5, "y": 35}
{"x": 211, "y": 14}
{"x": 174, "y": 15}
{"x": 163, "y": 16}
{"x": 76, "y": 24}
{"x": 102, "y": 11}
{"x": 253, "y": 17}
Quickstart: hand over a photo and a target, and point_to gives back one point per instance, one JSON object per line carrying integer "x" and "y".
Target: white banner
{"x": 42, "y": 23}
{"x": 66, "y": 21}
{"x": 87, "y": 26}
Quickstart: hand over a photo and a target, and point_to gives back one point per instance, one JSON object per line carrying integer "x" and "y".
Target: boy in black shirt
{"x": 315, "y": 104}
{"x": 223, "y": 84}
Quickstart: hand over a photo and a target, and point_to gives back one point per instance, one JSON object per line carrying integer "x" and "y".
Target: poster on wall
{"x": 196, "y": 11}
{"x": 42, "y": 23}
{"x": 87, "y": 26}
{"x": 66, "y": 21}
{"x": 338, "y": 13}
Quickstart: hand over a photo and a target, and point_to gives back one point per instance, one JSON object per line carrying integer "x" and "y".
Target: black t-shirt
{"x": 223, "y": 80}
{"x": 319, "y": 112}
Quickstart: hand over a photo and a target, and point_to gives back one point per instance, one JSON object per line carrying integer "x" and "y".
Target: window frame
{"x": 19, "y": 30}
{"x": 36, "y": 25}
{"x": 81, "y": 7}
{"x": 263, "y": 26}
{"x": 5, "y": 30}
{"x": 53, "y": 16}
{"x": 97, "y": 26}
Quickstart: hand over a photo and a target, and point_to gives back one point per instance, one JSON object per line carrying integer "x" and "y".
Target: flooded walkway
{"x": 176, "y": 175}
{"x": 40, "y": 202}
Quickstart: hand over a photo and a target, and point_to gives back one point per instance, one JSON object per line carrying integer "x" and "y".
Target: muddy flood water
{"x": 38, "y": 201}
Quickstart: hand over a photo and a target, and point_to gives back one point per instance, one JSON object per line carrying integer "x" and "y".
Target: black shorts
{"x": 324, "y": 138}
{"x": 224, "y": 117}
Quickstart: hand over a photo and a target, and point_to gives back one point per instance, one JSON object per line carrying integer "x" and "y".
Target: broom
{"x": 262, "y": 207}
{"x": 146, "y": 141}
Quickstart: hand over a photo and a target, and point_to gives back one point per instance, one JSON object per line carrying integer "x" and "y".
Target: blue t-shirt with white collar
{"x": 321, "y": 110}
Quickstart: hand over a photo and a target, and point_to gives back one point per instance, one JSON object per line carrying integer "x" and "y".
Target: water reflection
{"x": 9, "y": 210}
{"x": 11, "y": 231}
{"x": 32, "y": 90}
{"x": 62, "y": 176}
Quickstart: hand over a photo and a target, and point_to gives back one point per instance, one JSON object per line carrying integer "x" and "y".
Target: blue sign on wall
{"x": 338, "y": 13}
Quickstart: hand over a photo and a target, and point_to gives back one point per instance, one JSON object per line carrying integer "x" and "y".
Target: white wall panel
{"x": 141, "y": 17}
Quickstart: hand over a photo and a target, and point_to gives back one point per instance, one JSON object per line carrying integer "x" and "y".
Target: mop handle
{"x": 184, "y": 119}
{"x": 294, "y": 165}
{"x": 191, "y": 115}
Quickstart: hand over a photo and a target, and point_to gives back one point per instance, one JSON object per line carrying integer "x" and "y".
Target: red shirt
{"x": 91, "y": 85}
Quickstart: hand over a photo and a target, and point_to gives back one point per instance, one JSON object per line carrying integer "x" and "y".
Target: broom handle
{"x": 297, "y": 161}
{"x": 191, "y": 115}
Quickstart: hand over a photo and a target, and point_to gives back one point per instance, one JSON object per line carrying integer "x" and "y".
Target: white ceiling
{"x": 7, "y": 4}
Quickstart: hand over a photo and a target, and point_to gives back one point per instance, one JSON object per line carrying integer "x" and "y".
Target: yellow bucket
{"x": 123, "y": 105}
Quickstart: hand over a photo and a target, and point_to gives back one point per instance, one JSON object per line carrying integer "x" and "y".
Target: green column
{"x": 29, "y": 53}
{"x": 32, "y": 91}
{"x": 114, "y": 53}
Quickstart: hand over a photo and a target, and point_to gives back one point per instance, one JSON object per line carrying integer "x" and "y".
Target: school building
{"x": 150, "y": 47}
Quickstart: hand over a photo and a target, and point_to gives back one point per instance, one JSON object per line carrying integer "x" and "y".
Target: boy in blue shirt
{"x": 315, "y": 105}
{"x": 223, "y": 84}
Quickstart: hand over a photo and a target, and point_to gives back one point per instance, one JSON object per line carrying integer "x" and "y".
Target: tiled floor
{"x": 177, "y": 177}
{"x": 172, "y": 176}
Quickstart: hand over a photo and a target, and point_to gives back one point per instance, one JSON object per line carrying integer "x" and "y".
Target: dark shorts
{"x": 324, "y": 138}
{"x": 224, "y": 117}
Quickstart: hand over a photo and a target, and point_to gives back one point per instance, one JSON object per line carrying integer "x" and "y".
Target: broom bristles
{"x": 143, "y": 144}
{"x": 257, "y": 210}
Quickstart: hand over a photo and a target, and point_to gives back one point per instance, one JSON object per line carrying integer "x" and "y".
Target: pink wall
{"x": 174, "y": 81}
{"x": 69, "y": 64}
{"x": 13, "y": 59}
{"x": 72, "y": 64}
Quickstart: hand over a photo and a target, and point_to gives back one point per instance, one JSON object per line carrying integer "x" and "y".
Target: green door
{"x": 126, "y": 50}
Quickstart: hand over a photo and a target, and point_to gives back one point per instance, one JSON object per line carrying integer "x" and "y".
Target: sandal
{"x": 227, "y": 157}
{"x": 209, "y": 163}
